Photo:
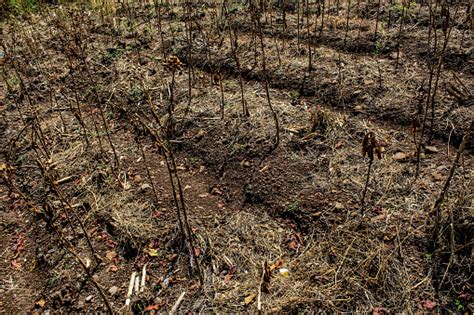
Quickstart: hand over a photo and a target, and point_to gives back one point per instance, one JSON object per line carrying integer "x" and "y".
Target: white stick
{"x": 142, "y": 285}
{"x": 130, "y": 288}
{"x": 177, "y": 304}
{"x": 137, "y": 284}
{"x": 259, "y": 298}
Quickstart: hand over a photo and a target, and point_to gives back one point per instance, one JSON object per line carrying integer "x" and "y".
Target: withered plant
{"x": 160, "y": 140}
{"x": 347, "y": 22}
{"x": 370, "y": 148}
{"x": 435, "y": 63}
{"x": 234, "y": 46}
{"x": 266, "y": 85}
{"x": 436, "y": 208}
{"x": 174, "y": 66}
{"x": 298, "y": 18}
{"x": 188, "y": 25}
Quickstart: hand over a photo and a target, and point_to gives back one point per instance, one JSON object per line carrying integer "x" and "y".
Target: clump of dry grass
{"x": 341, "y": 269}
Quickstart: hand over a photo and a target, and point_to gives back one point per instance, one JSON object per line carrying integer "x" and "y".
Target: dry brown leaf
{"x": 152, "y": 252}
{"x": 250, "y": 298}
{"x": 437, "y": 176}
{"x": 230, "y": 274}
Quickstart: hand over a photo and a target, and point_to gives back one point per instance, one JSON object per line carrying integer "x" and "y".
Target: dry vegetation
{"x": 285, "y": 156}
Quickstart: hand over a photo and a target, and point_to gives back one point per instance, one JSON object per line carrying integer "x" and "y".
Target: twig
{"x": 259, "y": 298}
{"x": 177, "y": 303}
{"x": 142, "y": 284}
{"x": 437, "y": 204}
{"x": 130, "y": 288}
{"x": 343, "y": 259}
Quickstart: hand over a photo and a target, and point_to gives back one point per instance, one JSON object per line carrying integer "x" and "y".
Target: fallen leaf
{"x": 250, "y": 298}
{"x": 5, "y": 167}
{"x": 278, "y": 264}
{"x": 229, "y": 274}
{"x": 152, "y": 252}
{"x": 429, "y": 305}
{"x": 155, "y": 307}
{"x": 41, "y": 303}
{"x": 111, "y": 255}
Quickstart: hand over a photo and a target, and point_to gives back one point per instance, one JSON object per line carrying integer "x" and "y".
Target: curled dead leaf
{"x": 277, "y": 265}
{"x": 41, "y": 303}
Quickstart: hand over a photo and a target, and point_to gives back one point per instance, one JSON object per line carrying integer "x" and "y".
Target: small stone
{"x": 431, "y": 149}
{"x": 400, "y": 156}
{"x": 145, "y": 187}
{"x": 437, "y": 176}
{"x": 358, "y": 108}
{"x": 201, "y": 133}
{"x": 80, "y": 305}
{"x": 89, "y": 298}
{"x": 394, "y": 55}
{"x": 113, "y": 290}
{"x": 137, "y": 179}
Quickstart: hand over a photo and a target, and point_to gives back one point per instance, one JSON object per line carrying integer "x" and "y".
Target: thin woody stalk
{"x": 436, "y": 208}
